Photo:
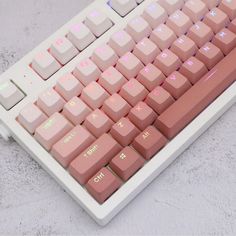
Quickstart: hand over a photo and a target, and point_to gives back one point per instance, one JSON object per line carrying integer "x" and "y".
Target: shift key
{"x": 92, "y": 159}
{"x": 198, "y": 97}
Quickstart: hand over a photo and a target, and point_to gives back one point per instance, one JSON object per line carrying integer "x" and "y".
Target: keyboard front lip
{"x": 32, "y": 85}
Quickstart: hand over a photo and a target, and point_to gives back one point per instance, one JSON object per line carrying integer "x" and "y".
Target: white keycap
{"x": 123, "y": 7}
{"x": 63, "y": 50}
{"x": 80, "y": 36}
{"x": 138, "y": 28}
{"x": 154, "y": 14}
{"x": 104, "y": 57}
{"x": 121, "y": 42}
{"x": 10, "y": 95}
{"x": 171, "y": 5}
{"x": 31, "y": 117}
{"x": 86, "y": 72}
{"x": 98, "y": 22}
{"x": 45, "y": 64}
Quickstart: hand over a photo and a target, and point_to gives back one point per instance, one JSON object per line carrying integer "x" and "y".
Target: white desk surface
{"x": 196, "y": 195}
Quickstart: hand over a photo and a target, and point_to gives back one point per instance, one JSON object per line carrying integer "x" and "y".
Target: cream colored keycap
{"x": 138, "y": 28}
{"x": 63, "y": 50}
{"x": 86, "y": 71}
{"x": 121, "y": 42}
{"x": 112, "y": 80}
{"x": 68, "y": 86}
{"x": 129, "y": 65}
{"x": 104, "y": 57}
{"x": 179, "y": 22}
{"x": 94, "y": 95}
{"x": 155, "y": 15}
{"x": 163, "y": 36}
{"x": 31, "y": 117}
{"x": 146, "y": 51}
{"x": 98, "y": 22}
{"x": 171, "y": 5}
{"x": 123, "y": 7}
{"x": 195, "y": 10}
{"x": 45, "y": 64}
{"x": 10, "y": 95}
{"x": 50, "y": 102}
{"x": 80, "y": 36}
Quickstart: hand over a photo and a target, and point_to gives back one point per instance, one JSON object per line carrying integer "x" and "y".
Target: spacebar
{"x": 198, "y": 97}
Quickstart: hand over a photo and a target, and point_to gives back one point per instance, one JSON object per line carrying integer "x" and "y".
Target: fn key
{"x": 10, "y": 95}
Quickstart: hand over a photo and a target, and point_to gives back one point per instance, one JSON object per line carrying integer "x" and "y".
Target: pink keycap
{"x": 142, "y": 115}
{"x": 103, "y": 184}
{"x": 228, "y": 7}
{"x": 212, "y": 3}
{"x": 163, "y": 36}
{"x": 167, "y": 62}
{"x": 50, "y": 102}
{"x": 150, "y": 76}
{"x": 104, "y": 57}
{"x": 159, "y": 100}
{"x": 129, "y": 65}
{"x": 116, "y": 107}
{"x": 200, "y": 33}
{"x": 93, "y": 158}
{"x": 149, "y": 142}
{"x": 133, "y": 92}
{"x": 98, "y": 123}
{"x": 146, "y": 51}
{"x": 195, "y": 10}
{"x": 210, "y": 55}
{"x": 121, "y": 42}
{"x": 68, "y": 87}
{"x": 138, "y": 28}
{"x": 31, "y": 117}
{"x": 45, "y": 64}
{"x": 184, "y": 47}
{"x": 86, "y": 72}
{"x": 176, "y": 84}
{"x": 94, "y": 95}
{"x": 124, "y": 131}
{"x": 225, "y": 40}
{"x": 193, "y": 69}
{"x": 126, "y": 163}
{"x": 232, "y": 26}
{"x": 52, "y": 130}
{"x": 216, "y": 19}
{"x": 112, "y": 80}
{"x": 155, "y": 15}
{"x": 71, "y": 145}
{"x": 179, "y": 22}
{"x": 76, "y": 110}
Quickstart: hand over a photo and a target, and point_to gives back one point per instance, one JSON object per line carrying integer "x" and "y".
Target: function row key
{"x": 65, "y": 48}
{"x": 124, "y": 7}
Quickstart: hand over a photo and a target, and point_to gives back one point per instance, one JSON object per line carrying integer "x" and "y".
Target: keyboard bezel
{"x": 32, "y": 85}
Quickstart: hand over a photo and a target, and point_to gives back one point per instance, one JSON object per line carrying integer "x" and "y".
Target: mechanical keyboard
{"x": 107, "y": 102}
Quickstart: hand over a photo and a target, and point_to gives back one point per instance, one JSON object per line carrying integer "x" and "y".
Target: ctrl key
{"x": 10, "y": 95}
{"x": 103, "y": 184}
